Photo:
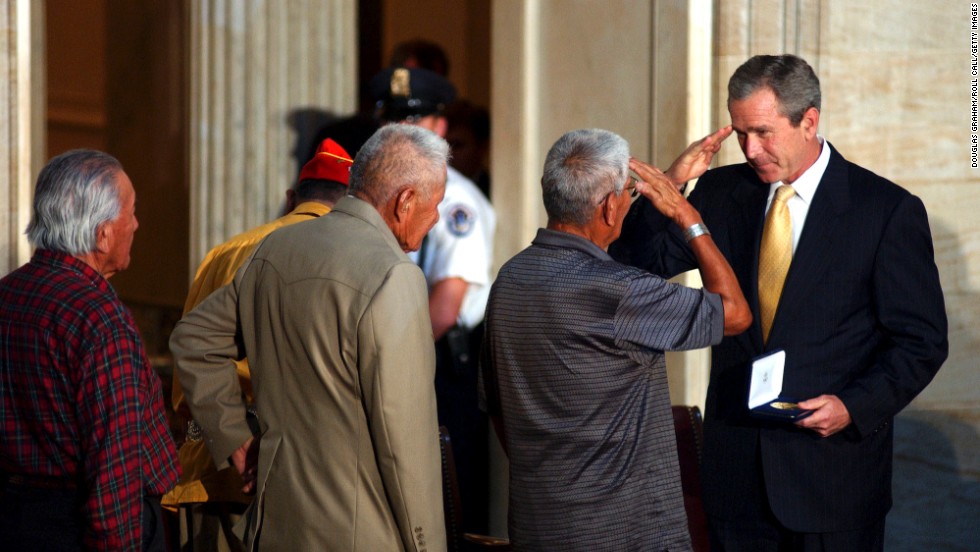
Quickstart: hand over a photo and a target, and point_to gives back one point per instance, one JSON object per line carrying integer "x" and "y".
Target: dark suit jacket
{"x": 862, "y": 317}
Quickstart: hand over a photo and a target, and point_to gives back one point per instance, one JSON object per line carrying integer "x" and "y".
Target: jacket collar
{"x": 366, "y": 212}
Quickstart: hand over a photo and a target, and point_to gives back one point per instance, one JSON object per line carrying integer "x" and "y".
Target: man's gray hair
{"x": 399, "y": 155}
{"x": 75, "y": 194}
{"x": 790, "y": 78}
{"x": 581, "y": 168}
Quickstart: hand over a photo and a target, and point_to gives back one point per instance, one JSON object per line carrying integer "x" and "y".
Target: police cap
{"x": 403, "y": 93}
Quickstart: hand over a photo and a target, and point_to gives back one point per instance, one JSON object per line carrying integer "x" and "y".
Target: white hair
{"x": 581, "y": 168}
{"x": 397, "y": 155}
{"x": 75, "y": 193}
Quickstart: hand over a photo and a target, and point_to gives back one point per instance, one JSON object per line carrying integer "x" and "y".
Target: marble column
{"x": 253, "y": 66}
{"x": 21, "y": 122}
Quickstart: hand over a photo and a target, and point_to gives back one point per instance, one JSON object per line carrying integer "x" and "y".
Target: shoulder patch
{"x": 461, "y": 220}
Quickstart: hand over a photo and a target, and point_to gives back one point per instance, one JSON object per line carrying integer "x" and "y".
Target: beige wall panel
{"x": 767, "y": 25}
{"x": 555, "y": 70}
{"x": 514, "y": 137}
{"x": 883, "y": 25}
{"x": 911, "y": 154}
{"x": 596, "y": 75}
{"x": 667, "y": 130}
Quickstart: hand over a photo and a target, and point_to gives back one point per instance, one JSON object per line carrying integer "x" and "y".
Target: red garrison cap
{"x": 331, "y": 162}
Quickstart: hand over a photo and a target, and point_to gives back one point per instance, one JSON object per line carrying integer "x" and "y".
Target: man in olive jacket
{"x": 333, "y": 317}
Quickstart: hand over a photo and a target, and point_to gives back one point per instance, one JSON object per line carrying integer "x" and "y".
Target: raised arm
{"x": 696, "y": 159}
{"x": 716, "y": 273}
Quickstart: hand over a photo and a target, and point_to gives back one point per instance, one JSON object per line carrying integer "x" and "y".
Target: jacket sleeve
{"x": 205, "y": 344}
{"x": 397, "y": 372}
{"x": 650, "y": 241}
{"x": 910, "y": 312}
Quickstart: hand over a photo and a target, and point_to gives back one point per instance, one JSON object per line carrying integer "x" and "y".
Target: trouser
{"x": 457, "y": 364}
{"x": 763, "y": 532}
{"x": 207, "y": 527}
{"x": 768, "y": 535}
{"x": 50, "y": 519}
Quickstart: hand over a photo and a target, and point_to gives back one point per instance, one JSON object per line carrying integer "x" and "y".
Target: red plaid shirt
{"x": 78, "y": 397}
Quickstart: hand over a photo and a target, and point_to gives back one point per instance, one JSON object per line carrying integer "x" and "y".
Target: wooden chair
{"x": 690, "y": 437}
{"x": 457, "y": 540}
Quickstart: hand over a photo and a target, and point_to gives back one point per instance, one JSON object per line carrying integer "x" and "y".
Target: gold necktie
{"x": 775, "y": 255}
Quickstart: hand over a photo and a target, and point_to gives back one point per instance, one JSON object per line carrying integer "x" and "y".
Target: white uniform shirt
{"x": 460, "y": 245}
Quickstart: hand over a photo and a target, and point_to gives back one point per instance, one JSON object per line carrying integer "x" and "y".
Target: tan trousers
{"x": 207, "y": 527}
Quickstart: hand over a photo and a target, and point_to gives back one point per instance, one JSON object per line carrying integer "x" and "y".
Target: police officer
{"x": 455, "y": 258}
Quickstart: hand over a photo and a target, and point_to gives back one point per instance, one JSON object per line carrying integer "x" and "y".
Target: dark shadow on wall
{"x": 936, "y": 485}
{"x": 312, "y": 125}
{"x": 936, "y": 482}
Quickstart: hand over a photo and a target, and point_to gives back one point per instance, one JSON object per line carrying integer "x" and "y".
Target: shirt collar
{"x": 64, "y": 261}
{"x": 806, "y": 185}
{"x": 555, "y": 238}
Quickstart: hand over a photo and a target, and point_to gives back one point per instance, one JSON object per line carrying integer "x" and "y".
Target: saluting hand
{"x": 663, "y": 194}
{"x": 696, "y": 159}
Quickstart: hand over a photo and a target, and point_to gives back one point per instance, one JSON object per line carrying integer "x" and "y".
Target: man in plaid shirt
{"x": 85, "y": 451}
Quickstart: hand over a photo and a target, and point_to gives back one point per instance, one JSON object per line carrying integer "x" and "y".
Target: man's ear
{"x": 608, "y": 207}
{"x": 404, "y": 203}
{"x": 441, "y": 127}
{"x": 810, "y": 120}
{"x": 103, "y": 235}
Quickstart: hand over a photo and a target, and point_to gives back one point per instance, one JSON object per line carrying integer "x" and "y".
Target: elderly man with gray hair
{"x": 85, "y": 450}
{"x": 334, "y": 319}
{"x": 574, "y": 358}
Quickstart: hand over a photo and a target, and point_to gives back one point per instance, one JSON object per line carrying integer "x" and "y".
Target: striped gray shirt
{"x": 574, "y": 364}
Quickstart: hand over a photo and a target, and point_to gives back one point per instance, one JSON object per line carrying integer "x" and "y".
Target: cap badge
{"x": 400, "y": 83}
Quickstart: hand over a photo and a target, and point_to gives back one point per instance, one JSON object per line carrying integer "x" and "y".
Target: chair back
{"x": 690, "y": 437}
{"x": 451, "y": 503}
{"x": 456, "y": 539}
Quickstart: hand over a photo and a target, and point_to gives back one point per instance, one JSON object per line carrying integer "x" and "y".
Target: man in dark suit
{"x": 861, "y": 318}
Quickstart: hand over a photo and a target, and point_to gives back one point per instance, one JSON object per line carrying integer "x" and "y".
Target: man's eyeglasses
{"x": 631, "y": 186}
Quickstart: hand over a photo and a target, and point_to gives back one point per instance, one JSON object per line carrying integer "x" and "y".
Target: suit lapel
{"x": 810, "y": 262}
{"x": 745, "y": 229}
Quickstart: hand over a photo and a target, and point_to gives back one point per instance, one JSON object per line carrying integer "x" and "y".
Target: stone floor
{"x": 936, "y": 483}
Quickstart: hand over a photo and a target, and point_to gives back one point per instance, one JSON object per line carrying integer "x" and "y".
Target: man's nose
{"x": 750, "y": 147}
